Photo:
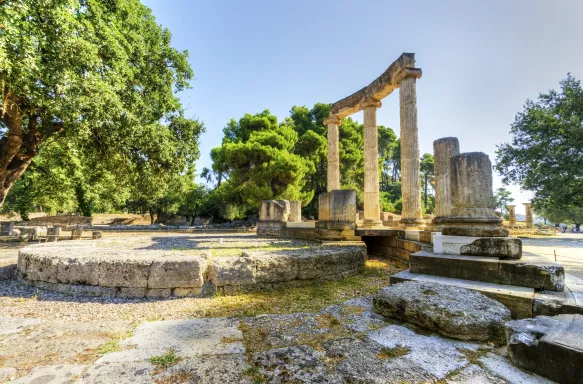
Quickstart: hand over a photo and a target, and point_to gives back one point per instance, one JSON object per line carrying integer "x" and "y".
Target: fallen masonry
{"x": 549, "y": 346}
{"x": 454, "y": 312}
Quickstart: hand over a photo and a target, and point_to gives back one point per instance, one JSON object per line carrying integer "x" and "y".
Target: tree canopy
{"x": 98, "y": 77}
{"x": 546, "y": 152}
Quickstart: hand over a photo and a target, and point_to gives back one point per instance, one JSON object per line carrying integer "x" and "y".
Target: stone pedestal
{"x": 371, "y": 166}
{"x": 6, "y": 228}
{"x": 53, "y": 233}
{"x": 333, "y": 154}
{"x": 529, "y": 215}
{"x": 273, "y": 214}
{"x": 472, "y": 199}
{"x": 76, "y": 233}
{"x": 443, "y": 151}
{"x": 511, "y": 216}
{"x": 410, "y": 163}
{"x": 295, "y": 213}
{"x": 337, "y": 210}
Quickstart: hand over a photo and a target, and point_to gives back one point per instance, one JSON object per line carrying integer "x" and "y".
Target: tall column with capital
{"x": 511, "y": 216}
{"x": 333, "y": 153}
{"x": 372, "y": 212}
{"x": 410, "y": 163}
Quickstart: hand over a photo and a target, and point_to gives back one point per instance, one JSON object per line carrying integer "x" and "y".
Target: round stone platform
{"x": 188, "y": 265}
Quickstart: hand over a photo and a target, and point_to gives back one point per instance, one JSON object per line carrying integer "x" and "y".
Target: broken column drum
{"x": 472, "y": 198}
{"x": 443, "y": 151}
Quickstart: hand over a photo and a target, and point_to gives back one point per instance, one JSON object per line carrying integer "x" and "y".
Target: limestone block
{"x": 174, "y": 271}
{"x": 338, "y": 205}
{"x": 295, "y": 211}
{"x": 269, "y": 228}
{"x": 275, "y": 267}
{"x": 132, "y": 292}
{"x": 76, "y": 233}
{"x": 6, "y": 228}
{"x": 274, "y": 210}
{"x": 124, "y": 272}
{"x": 42, "y": 268}
{"x": 549, "y": 276}
{"x": 503, "y": 248}
{"x": 548, "y": 346}
{"x": 53, "y": 233}
{"x": 234, "y": 270}
{"x": 325, "y": 263}
{"x": 96, "y": 235}
{"x": 453, "y": 312}
{"x": 79, "y": 270}
{"x": 187, "y": 292}
{"x": 164, "y": 292}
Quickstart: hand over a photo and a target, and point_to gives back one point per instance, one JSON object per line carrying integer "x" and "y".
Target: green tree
{"x": 194, "y": 199}
{"x": 546, "y": 152}
{"x": 388, "y": 154}
{"x": 569, "y": 215}
{"x": 427, "y": 169}
{"x": 502, "y": 197}
{"x": 100, "y": 75}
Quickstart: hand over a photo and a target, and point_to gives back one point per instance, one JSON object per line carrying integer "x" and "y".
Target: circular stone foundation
{"x": 188, "y": 265}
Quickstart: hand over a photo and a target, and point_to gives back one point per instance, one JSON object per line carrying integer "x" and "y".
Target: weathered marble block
{"x": 295, "y": 213}
{"x": 6, "y": 228}
{"x": 274, "y": 210}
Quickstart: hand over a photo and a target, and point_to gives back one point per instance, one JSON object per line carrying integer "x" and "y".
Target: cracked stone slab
{"x": 188, "y": 338}
{"x": 128, "y": 372}
{"x": 437, "y": 355}
{"x": 474, "y": 374}
{"x": 220, "y": 369}
{"x": 53, "y": 374}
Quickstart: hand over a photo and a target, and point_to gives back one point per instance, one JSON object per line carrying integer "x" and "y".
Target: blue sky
{"x": 481, "y": 59}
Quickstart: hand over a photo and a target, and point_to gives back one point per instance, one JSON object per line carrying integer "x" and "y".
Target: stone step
{"x": 518, "y": 299}
{"x": 526, "y": 272}
{"x": 548, "y": 346}
{"x": 570, "y": 301}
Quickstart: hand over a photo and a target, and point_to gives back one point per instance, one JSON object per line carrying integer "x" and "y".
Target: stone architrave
{"x": 511, "y": 215}
{"x": 529, "y": 215}
{"x": 472, "y": 198}
{"x": 333, "y": 153}
{"x": 372, "y": 210}
{"x": 443, "y": 150}
{"x": 410, "y": 163}
{"x": 295, "y": 213}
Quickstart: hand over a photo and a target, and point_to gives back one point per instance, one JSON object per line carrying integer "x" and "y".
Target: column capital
{"x": 511, "y": 206}
{"x": 408, "y": 72}
{"x": 332, "y": 119}
{"x": 370, "y": 103}
{"x": 527, "y": 204}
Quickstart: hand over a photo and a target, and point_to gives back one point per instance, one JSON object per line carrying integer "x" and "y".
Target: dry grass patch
{"x": 391, "y": 353}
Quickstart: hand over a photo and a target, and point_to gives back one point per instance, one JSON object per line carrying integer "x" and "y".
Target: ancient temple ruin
{"x": 401, "y": 74}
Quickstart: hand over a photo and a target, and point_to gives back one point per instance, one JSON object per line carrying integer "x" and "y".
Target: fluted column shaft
{"x": 333, "y": 154}
{"x": 372, "y": 211}
{"x": 410, "y": 163}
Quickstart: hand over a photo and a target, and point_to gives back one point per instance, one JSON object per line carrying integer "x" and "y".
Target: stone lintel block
{"x": 173, "y": 271}
{"x": 337, "y": 205}
{"x": 274, "y": 210}
{"x": 129, "y": 272}
{"x": 234, "y": 270}
{"x": 503, "y": 248}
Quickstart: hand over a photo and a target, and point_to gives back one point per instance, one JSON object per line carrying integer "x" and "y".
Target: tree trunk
{"x": 151, "y": 217}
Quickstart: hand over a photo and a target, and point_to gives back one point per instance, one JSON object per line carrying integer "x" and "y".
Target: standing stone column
{"x": 472, "y": 198}
{"x": 443, "y": 150}
{"x": 410, "y": 163}
{"x": 372, "y": 211}
{"x": 529, "y": 216}
{"x": 333, "y": 153}
{"x": 511, "y": 216}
